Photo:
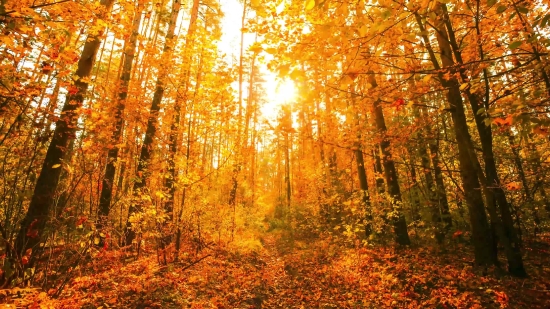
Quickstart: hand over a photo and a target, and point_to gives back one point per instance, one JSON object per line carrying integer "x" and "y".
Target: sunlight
{"x": 278, "y": 92}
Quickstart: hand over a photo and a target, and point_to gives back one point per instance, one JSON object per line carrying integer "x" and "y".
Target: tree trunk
{"x": 481, "y": 233}
{"x": 34, "y": 223}
{"x": 147, "y": 146}
{"x": 436, "y": 188}
{"x": 361, "y": 173}
{"x": 508, "y": 235}
{"x": 414, "y": 191}
{"x": 112, "y": 156}
{"x": 174, "y": 130}
{"x": 237, "y": 167}
{"x": 390, "y": 173}
{"x": 380, "y": 185}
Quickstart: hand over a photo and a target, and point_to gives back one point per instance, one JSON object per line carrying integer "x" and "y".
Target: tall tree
{"x": 112, "y": 156}
{"x": 481, "y": 234}
{"x": 152, "y": 122}
{"x": 390, "y": 173}
{"x": 43, "y": 199}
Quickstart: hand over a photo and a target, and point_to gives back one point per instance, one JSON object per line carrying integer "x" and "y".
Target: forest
{"x": 274, "y": 154}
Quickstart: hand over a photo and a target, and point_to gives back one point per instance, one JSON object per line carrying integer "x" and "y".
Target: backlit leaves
{"x": 515, "y": 45}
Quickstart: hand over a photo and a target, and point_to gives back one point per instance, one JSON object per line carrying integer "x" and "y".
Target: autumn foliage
{"x": 334, "y": 154}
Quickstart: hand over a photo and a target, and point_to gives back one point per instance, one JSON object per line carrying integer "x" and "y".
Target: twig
{"x": 37, "y": 6}
{"x": 195, "y": 262}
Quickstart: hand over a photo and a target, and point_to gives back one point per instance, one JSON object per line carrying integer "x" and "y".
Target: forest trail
{"x": 289, "y": 273}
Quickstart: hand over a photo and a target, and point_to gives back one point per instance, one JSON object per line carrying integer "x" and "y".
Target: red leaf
{"x": 81, "y": 220}
{"x": 398, "y": 103}
{"x": 33, "y": 223}
{"x": 503, "y": 122}
{"x": 32, "y": 233}
{"x": 353, "y": 75}
{"x": 73, "y": 90}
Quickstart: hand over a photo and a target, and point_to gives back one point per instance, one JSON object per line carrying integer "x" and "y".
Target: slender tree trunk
{"x": 538, "y": 170}
{"x": 181, "y": 99}
{"x": 440, "y": 184}
{"x": 390, "y": 173}
{"x": 436, "y": 188}
{"x": 147, "y": 147}
{"x": 112, "y": 156}
{"x": 34, "y": 223}
{"x": 521, "y": 172}
{"x": 380, "y": 185}
{"x": 481, "y": 232}
{"x": 250, "y": 104}
{"x": 508, "y": 236}
{"x": 237, "y": 168}
{"x": 414, "y": 190}
{"x": 362, "y": 174}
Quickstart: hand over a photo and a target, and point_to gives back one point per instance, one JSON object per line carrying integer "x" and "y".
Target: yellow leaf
{"x": 346, "y": 81}
{"x": 256, "y": 48}
{"x": 283, "y": 70}
{"x": 427, "y": 78}
{"x": 433, "y": 5}
{"x": 360, "y": 8}
{"x": 56, "y": 165}
{"x": 63, "y": 73}
{"x": 96, "y": 241}
{"x": 464, "y": 86}
{"x": 424, "y": 4}
{"x": 363, "y": 30}
{"x": 310, "y": 4}
{"x": 404, "y": 14}
{"x": 25, "y": 29}
{"x": 296, "y": 74}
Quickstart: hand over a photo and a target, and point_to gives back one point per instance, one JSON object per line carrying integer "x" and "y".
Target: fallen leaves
{"x": 365, "y": 277}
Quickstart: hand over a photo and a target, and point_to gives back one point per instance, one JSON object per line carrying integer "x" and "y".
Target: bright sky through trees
{"x": 278, "y": 91}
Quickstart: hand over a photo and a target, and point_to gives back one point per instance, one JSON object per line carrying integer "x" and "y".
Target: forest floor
{"x": 298, "y": 274}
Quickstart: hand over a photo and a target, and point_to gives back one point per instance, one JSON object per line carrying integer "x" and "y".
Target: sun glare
{"x": 279, "y": 93}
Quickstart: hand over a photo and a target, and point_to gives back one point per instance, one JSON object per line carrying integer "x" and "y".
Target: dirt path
{"x": 292, "y": 274}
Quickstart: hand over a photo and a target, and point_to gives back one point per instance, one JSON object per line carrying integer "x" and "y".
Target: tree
{"x": 34, "y": 223}
{"x": 147, "y": 146}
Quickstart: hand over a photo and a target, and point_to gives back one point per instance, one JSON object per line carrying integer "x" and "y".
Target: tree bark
{"x": 361, "y": 172}
{"x": 112, "y": 156}
{"x": 437, "y": 197}
{"x": 43, "y": 199}
{"x": 481, "y": 232}
{"x": 508, "y": 234}
{"x": 147, "y": 146}
{"x": 174, "y": 130}
{"x": 390, "y": 173}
